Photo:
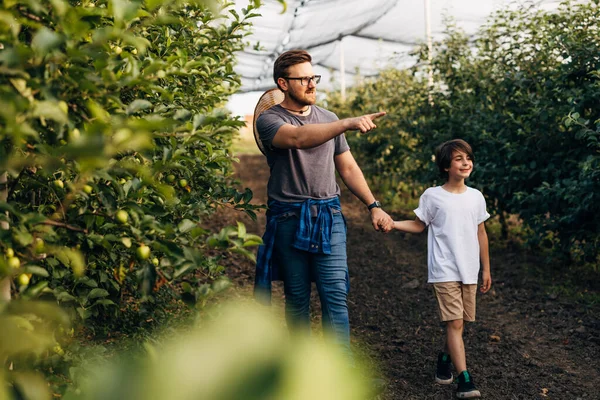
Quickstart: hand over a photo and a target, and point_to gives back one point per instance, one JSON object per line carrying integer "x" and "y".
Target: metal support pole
{"x": 429, "y": 49}
{"x": 342, "y": 70}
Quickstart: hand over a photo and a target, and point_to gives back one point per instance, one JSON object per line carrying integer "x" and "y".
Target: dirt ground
{"x": 529, "y": 342}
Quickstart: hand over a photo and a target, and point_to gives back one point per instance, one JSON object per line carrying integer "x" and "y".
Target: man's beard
{"x": 300, "y": 101}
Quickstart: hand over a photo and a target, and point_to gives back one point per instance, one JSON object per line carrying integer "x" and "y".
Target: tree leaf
{"x": 45, "y": 40}
{"x": 50, "y": 110}
{"x": 138, "y": 105}
{"x": 97, "y": 292}
{"x": 186, "y": 225}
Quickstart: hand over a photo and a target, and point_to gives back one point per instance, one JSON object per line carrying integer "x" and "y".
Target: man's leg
{"x": 330, "y": 272}
{"x": 295, "y": 271}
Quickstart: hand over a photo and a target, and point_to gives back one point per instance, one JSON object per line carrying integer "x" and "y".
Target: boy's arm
{"x": 484, "y": 252}
{"x": 416, "y": 226}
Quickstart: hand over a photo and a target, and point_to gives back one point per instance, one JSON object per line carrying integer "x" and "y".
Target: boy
{"x": 456, "y": 241}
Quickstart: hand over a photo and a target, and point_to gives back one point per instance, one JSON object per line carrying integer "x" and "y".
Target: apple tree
{"x": 525, "y": 95}
{"x": 114, "y": 149}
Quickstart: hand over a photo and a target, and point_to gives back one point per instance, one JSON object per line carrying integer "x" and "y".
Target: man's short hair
{"x": 443, "y": 154}
{"x": 288, "y": 59}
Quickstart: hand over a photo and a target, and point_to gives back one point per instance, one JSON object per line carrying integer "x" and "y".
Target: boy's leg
{"x": 468, "y": 294}
{"x": 457, "y": 304}
{"x": 450, "y": 301}
{"x": 455, "y": 344}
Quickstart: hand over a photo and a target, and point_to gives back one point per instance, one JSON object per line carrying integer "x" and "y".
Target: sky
{"x": 376, "y": 34}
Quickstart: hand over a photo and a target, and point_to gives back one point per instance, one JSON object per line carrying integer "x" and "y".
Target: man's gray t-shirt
{"x": 297, "y": 175}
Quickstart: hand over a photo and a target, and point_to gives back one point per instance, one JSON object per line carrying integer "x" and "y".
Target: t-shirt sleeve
{"x": 422, "y": 212}
{"x": 267, "y": 126}
{"x": 341, "y": 145}
{"x": 482, "y": 213}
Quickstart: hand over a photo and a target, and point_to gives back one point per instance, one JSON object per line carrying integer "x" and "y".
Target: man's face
{"x": 303, "y": 95}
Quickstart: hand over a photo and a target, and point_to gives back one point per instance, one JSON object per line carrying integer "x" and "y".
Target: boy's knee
{"x": 456, "y": 324}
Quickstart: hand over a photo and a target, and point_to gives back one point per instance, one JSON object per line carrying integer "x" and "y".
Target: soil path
{"x": 527, "y": 342}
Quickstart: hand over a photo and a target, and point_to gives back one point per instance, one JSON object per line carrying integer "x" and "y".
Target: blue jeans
{"x": 329, "y": 271}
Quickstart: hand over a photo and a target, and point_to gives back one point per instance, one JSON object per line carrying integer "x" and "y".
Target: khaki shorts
{"x": 455, "y": 300}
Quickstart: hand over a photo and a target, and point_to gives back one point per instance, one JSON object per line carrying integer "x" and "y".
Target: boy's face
{"x": 461, "y": 166}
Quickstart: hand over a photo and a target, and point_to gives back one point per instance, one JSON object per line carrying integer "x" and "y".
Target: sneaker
{"x": 443, "y": 373}
{"x": 466, "y": 387}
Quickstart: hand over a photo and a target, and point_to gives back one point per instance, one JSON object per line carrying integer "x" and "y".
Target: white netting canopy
{"x": 361, "y": 36}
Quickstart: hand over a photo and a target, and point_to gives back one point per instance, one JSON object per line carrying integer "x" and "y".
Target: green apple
{"x": 10, "y": 252}
{"x": 134, "y": 51}
{"x": 122, "y": 181}
{"x": 39, "y": 245}
{"x": 122, "y": 135}
{"x": 171, "y": 178}
{"x": 63, "y": 107}
{"x": 23, "y": 280}
{"x": 118, "y": 50}
{"x": 143, "y": 252}
{"x": 122, "y": 216}
{"x": 88, "y": 189}
{"x": 155, "y": 261}
{"x": 58, "y": 350}
{"x": 59, "y": 184}
{"x": 183, "y": 183}
{"x": 14, "y": 262}
{"x": 74, "y": 134}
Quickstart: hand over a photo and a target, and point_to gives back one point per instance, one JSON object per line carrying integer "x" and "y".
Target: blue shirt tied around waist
{"x": 311, "y": 237}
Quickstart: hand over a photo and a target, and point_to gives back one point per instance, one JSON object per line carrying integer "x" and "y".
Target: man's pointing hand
{"x": 363, "y": 123}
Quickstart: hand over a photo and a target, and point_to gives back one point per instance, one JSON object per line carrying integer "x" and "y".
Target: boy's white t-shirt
{"x": 452, "y": 244}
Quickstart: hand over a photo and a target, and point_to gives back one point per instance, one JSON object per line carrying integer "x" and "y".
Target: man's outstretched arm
{"x": 312, "y": 135}
{"x": 354, "y": 179}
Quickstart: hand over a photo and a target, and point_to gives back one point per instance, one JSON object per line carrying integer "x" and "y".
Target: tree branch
{"x": 63, "y": 225}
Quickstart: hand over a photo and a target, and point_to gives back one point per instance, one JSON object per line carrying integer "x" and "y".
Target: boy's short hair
{"x": 443, "y": 154}
{"x": 286, "y": 60}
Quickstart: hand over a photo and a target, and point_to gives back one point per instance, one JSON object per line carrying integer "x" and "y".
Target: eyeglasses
{"x": 305, "y": 80}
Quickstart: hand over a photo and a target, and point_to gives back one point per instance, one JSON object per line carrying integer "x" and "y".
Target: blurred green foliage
{"x": 115, "y": 142}
{"x": 30, "y": 334}
{"x": 525, "y": 94}
{"x": 245, "y": 353}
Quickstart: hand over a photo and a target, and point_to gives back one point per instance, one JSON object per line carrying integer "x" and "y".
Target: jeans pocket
{"x": 338, "y": 230}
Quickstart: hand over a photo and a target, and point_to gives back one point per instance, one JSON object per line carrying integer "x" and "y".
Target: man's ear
{"x": 283, "y": 84}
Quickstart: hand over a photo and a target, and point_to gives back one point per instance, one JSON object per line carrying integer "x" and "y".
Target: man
{"x": 305, "y": 238}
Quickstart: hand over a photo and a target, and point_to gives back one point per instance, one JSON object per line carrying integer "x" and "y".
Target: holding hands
{"x": 381, "y": 221}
